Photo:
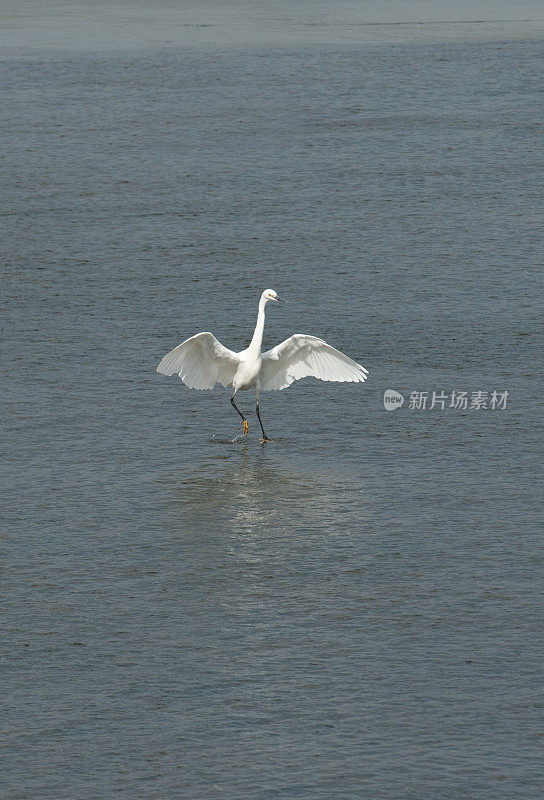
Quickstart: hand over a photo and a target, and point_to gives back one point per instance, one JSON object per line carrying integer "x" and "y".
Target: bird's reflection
{"x": 251, "y": 524}
{"x": 248, "y": 491}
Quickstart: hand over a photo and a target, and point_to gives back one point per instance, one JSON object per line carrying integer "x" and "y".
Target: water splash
{"x": 240, "y": 438}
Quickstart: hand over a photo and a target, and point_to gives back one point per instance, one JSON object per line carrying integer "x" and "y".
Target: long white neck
{"x": 257, "y": 340}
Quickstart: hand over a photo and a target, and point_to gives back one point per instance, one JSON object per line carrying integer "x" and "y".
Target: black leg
{"x": 265, "y": 437}
{"x": 244, "y": 420}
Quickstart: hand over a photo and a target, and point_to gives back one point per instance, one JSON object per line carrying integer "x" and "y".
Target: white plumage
{"x": 302, "y": 356}
{"x": 202, "y": 361}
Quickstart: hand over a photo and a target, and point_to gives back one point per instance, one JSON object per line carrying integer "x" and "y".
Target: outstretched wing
{"x": 301, "y": 356}
{"x": 201, "y": 362}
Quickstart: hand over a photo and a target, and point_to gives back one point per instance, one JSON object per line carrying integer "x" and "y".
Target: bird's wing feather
{"x": 302, "y": 356}
{"x": 201, "y": 362}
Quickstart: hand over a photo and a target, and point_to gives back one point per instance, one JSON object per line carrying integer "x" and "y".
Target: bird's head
{"x": 270, "y": 294}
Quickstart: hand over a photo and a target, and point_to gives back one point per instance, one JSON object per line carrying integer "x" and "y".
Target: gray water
{"x": 352, "y": 611}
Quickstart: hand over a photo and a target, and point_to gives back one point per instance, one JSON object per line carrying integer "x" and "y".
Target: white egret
{"x": 202, "y": 361}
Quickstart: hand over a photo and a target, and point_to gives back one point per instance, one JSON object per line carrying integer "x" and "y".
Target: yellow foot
{"x": 265, "y": 439}
{"x": 246, "y": 426}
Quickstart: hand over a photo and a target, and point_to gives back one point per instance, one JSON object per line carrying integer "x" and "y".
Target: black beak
{"x": 280, "y": 300}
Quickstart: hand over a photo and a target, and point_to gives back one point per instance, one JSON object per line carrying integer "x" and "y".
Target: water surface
{"x": 352, "y": 611}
